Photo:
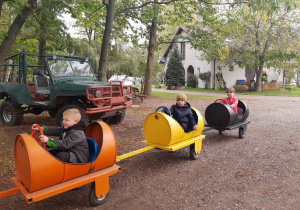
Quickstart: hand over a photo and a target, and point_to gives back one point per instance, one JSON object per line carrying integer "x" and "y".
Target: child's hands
{"x": 43, "y": 138}
{"x": 195, "y": 127}
{"x": 34, "y": 128}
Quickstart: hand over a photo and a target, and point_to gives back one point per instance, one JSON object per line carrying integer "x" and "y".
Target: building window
{"x": 182, "y": 50}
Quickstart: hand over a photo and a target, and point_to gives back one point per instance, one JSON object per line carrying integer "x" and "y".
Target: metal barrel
{"x": 222, "y": 115}
{"x": 161, "y": 129}
{"x": 37, "y": 169}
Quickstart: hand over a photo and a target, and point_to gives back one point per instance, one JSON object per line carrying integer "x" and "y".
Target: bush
{"x": 205, "y": 77}
{"x": 264, "y": 79}
{"x": 192, "y": 81}
{"x": 241, "y": 88}
{"x": 291, "y": 87}
{"x": 158, "y": 86}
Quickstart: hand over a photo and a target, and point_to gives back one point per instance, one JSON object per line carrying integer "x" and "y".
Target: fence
{"x": 271, "y": 86}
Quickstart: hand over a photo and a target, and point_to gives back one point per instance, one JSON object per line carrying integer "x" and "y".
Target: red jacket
{"x": 233, "y": 102}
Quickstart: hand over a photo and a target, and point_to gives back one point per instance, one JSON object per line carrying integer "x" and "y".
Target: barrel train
{"x": 36, "y": 180}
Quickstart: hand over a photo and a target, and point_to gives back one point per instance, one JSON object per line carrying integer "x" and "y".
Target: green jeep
{"x": 63, "y": 82}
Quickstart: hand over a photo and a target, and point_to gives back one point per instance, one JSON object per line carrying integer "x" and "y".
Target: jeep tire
{"x": 11, "y": 114}
{"x": 59, "y": 115}
{"x": 115, "y": 119}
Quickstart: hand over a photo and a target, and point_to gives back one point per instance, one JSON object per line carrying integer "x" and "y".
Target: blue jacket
{"x": 183, "y": 114}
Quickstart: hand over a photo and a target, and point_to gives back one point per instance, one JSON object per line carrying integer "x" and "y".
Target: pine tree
{"x": 175, "y": 69}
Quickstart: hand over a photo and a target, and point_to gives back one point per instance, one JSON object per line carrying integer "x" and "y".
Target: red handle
{"x": 221, "y": 101}
{"x": 41, "y": 133}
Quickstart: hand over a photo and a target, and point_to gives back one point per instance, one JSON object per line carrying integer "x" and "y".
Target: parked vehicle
{"x": 63, "y": 82}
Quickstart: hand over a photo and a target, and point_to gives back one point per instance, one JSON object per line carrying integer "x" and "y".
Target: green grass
{"x": 173, "y": 96}
{"x": 290, "y": 93}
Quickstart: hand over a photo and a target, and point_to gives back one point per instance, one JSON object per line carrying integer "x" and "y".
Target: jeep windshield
{"x": 70, "y": 68}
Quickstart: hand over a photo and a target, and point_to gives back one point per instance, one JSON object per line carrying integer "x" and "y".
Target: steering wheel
{"x": 220, "y": 100}
{"x": 41, "y": 133}
{"x": 163, "y": 109}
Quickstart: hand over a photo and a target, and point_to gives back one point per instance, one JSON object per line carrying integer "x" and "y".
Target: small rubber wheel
{"x": 95, "y": 201}
{"x": 193, "y": 154}
{"x": 241, "y": 132}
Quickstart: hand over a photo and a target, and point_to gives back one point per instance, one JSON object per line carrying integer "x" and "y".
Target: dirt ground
{"x": 260, "y": 171}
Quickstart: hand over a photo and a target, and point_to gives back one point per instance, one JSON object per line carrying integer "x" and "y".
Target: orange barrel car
{"x": 40, "y": 175}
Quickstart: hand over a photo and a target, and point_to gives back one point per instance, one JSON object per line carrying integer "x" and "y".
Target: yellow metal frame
{"x": 195, "y": 140}
{"x": 130, "y": 154}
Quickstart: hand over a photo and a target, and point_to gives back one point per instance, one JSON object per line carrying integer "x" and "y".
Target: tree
{"x": 124, "y": 8}
{"x": 15, "y": 28}
{"x": 254, "y": 35}
{"x": 175, "y": 69}
{"x": 263, "y": 38}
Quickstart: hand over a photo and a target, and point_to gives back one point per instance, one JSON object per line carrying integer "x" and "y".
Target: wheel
{"x": 241, "y": 132}
{"x": 52, "y": 112}
{"x": 115, "y": 119}
{"x": 11, "y": 114}
{"x": 163, "y": 110}
{"x": 93, "y": 198}
{"x": 59, "y": 114}
{"x": 193, "y": 154}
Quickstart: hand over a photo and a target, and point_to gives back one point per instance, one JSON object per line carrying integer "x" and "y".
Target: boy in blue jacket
{"x": 182, "y": 113}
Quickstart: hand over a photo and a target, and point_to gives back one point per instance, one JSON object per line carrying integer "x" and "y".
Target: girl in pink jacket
{"x": 231, "y": 100}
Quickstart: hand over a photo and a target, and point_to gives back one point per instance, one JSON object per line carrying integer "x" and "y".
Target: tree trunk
{"x": 14, "y": 29}
{"x": 1, "y": 4}
{"x": 106, "y": 41}
{"x": 42, "y": 41}
{"x": 8, "y": 72}
{"x": 259, "y": 71}
{"x": 42, "y": 48}
{"x": 150, "y": 58}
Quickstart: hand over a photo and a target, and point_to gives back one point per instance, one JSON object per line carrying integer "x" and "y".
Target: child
{"x": 182, "y": 113}
{"x": 231, "y": 100}
{"x": 72, "y": 145}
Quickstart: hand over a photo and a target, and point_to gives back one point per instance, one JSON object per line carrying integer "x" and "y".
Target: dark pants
{"x": 63, "y": 156}
{"x": 184, "y": 126}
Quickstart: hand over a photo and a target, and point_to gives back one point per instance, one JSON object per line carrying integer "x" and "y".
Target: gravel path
{"x": 259, "y": 172}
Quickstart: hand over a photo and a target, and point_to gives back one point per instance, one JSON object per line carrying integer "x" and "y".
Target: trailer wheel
{"x": 241, "y": 132}
{"x": 59, "y": 114}
{"x": 95, "y": 201}
{"x": 193, "y": 154}
{"x": 117, "y": 119}
{"x": 11, "y": 114}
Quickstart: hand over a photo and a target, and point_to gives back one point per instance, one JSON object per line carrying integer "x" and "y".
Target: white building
{"x": 193, "y": 65}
